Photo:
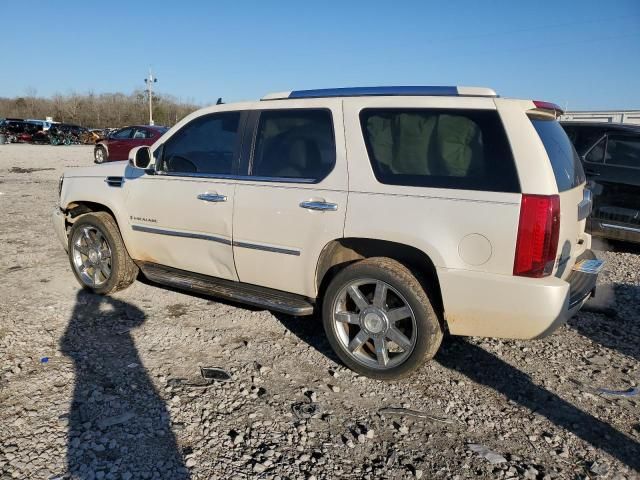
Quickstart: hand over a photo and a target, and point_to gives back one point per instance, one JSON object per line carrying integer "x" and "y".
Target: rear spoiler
{"x": 548, "y": 108}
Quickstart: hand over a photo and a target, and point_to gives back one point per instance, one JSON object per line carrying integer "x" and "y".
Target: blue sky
{"x": 582, "y": 54}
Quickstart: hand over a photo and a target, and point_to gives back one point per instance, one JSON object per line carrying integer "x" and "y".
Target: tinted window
{"x": 297, "y": 144}
{"x": 623, "y": 151}
{"x": 142, "y": 133}
{"x": 564, "y": 159}
{"x": 596, "y": 154}
{"x": 205, "y": 145}
{"x": 124, "y": 133}
{"x": 583, "y": 137}
{"x": 463, "y": 149}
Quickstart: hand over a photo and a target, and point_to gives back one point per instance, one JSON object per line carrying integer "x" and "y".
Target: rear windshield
{"x": 439, "y": 148}
{"x": 564, "y": 159}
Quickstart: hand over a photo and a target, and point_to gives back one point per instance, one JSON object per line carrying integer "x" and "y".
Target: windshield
{"x": 564, "y": 159}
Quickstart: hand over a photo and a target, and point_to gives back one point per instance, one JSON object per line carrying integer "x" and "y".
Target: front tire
{"x": 378, "y": 319}
{"x": 97, "y": 254}
{"x": 100, "y": 154}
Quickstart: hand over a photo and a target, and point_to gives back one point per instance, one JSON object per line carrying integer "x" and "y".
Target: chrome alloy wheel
{"x": 374, "y": 323}
{"x": 99, "y": 155}
{"x": 91, "y": 255}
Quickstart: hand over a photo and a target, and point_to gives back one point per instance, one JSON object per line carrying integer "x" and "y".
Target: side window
{"x": 623, "y": 151}
{"x": 295, "y": 144}
{"x": 596, "y": 154}
{"x": 588, "y": 137}
{"x": 463, "y": 149}
{"x": 141, "y": 133}
{"x": 124, "y": 133}
{"x": 207, "y": 145}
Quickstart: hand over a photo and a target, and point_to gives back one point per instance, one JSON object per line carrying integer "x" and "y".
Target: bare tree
{"x": 96, "y": 110}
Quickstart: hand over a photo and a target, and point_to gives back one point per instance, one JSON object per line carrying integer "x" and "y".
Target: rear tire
{"x": 100, "y": 154}
{"x": 379, "y": 320}
{"x": 97, "y": 254}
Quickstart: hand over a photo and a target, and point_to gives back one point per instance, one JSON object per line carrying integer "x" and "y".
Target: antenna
{"x": 150, "y": 80}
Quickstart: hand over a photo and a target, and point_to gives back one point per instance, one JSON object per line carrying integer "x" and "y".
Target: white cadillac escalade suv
{"x": 395, "y": 212}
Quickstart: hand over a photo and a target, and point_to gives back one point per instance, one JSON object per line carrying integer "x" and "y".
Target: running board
{"x": 254, "y": 295}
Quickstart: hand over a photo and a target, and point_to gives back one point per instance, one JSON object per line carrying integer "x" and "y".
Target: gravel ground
{"x": 120, "y": 394}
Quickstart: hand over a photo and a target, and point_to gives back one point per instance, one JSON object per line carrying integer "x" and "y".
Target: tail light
{"x": 538, "y": 232}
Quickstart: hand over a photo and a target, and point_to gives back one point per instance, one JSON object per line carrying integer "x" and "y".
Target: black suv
{"x": 610, "y": 154}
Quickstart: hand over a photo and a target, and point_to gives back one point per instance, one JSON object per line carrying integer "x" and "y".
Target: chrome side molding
{"x": 620, "y": 227}
{"x": 213, "y": 238}
{"x": 175, "y": 233}
{"x": 267, "y": 248}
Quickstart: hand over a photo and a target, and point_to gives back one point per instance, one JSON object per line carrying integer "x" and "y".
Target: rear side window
{"x": 596, "y": 154}
{"x": 583, "y": 137}
{"x": 294, "y": 144}
{"x": 623, "y": 151}
{"x": 141, "y": 133}
{"x": 462, "y": 149}
{"x": 564, "y": 160}
{"x": 124, "y": 133}
{"x": 207, "y": 145}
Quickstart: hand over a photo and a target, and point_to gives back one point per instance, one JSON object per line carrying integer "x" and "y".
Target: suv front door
{"x": 181, "y": 216}
{"x": 292, "y": 201}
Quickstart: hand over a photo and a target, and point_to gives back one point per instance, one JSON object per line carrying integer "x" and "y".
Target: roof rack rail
{"x": 434, "y": 90}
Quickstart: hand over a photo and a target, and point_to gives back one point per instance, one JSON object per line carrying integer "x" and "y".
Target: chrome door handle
{"x": 321, "y": 206}
{"x": 212, "y": 197}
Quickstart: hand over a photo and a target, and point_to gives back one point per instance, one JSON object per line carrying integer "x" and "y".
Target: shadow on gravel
{"x": 487, "y": 369}
{"x": 615, "y": 324}
{"x": 616, "y": 246}
{"x": 309, "y": 330}
{"x": 117, "y": 423}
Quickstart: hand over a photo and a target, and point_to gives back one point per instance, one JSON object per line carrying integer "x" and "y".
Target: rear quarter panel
{"x": 457, "y": 229}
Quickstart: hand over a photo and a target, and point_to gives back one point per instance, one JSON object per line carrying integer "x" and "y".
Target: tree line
{"x": 98, "y": 110}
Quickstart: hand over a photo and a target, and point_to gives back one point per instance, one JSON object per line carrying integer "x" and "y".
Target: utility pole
{"x": 150, "y": 80}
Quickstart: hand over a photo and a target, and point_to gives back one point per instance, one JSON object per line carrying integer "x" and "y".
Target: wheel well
{"x": 75, "y": 209}
{"x": 340, "y": 253}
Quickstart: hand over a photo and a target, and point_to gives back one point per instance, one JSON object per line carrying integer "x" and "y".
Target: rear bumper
{"x": 60, "y": 227}
{"x": 489, "y": 305}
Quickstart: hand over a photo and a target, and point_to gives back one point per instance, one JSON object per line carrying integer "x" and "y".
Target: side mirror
{"x": 140, "y": 157}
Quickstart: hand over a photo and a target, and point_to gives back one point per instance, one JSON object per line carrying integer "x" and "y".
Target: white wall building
{"x": 605, "y": 116}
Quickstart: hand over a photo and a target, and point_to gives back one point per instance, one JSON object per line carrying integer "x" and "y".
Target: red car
{"x": 118, "y": 144}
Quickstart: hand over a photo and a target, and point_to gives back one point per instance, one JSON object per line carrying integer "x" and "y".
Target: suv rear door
{"x": 292, "y": 199}
{"x": 613, "y": 168}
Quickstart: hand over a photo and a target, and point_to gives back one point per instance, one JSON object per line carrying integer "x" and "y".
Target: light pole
{"x": 150, "y": 80}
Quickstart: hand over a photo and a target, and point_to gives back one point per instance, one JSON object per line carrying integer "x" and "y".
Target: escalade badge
{"x": 143, "y": 219}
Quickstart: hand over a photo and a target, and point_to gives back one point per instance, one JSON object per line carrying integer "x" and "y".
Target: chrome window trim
{"x": 254, "y": 142}
{"x": 238, "y": 177}
{"x": 176, "y": 233}
{"x": 595, "y": 144}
